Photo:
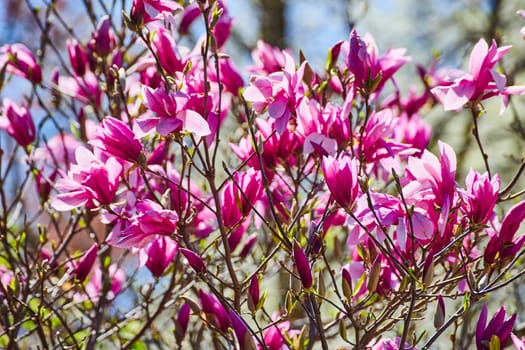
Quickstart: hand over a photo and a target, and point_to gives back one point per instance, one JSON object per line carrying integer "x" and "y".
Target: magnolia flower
{"x": 497, "y": 330}
{"x": 341, "y": 176}
{"x": 239, "y": 195}
{"x": 19, "y": 60}
{"x": 158, "y": 254}
{"x": 116, "y": 138}
{"x": 90, "y": 182}
{"x": 18, "y": 123}
{"x": 84, "y": 266}
{"x": 482, "y": 81}
{"x": 503, "y": 244}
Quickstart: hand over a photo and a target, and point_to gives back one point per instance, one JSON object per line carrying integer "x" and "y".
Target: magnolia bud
{"x": 439, "y": 316}
{"x": 302, "y": 265}
{"x": 194, "y": 260}
{"x": 375, "y": 274}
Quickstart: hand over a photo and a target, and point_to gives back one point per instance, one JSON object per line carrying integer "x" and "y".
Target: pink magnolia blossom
{"x": 279, "y": 93}
{"x": 268, "y": 59}
{"x": 341, "y": 176}
{"x": 370, "y": 70}
{"x": 18, "y": 123}
{"x": 103, "y": 40}
{"x": 86, "y": 263}
{"x": 482, "y": 81}
{"x": 146, "y": 11}
{"x": 90, "y": 181}
{"x": 19, "y": 60}
{"x": 194, "y": 260}
{"x": 163, "y": 46}
{"x": 498, "y": 327}
{"x": 77, "y": 57}
{"x": 239, "y": 195}
{"x": 172, "y": 114}
{"x": 215, "y": 310}
{"x": 85, "y": 89}
{"x": 158, "y": 254}
{"x": 480, "y": 197}
{"x": 150, "y": 220}
{"x": 116, "y": 276}
{"x": 117, "y": 139}
{"x": 503, "y": 244}
{"x": 275, "y": 337}
{"x": 302, "y": 265}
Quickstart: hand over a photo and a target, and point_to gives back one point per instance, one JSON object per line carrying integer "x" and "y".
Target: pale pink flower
{"x": 172, "y": 112}
{"x": 90, "y": 182}
{"x": 482, "y": 81}
{"x": 150, "y": 220}
{"x": 146, "y": 11}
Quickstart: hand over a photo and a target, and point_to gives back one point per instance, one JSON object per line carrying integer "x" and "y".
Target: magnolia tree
{"x": 155, "y": 196}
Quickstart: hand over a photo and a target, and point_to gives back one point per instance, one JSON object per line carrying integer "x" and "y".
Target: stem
{"x": 475, "y": 132}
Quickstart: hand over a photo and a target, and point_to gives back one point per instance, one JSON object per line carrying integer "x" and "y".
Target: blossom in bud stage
{"x": 239, "y": 195}
{"x": 241, "y": 331}
{"x": 103, "y": 41}
{"x": 371, "y": 71}
{"x": 253, "y": 293}
{"x": 439, "y": 316}
{"x": 18, "y": 123}
{"x": 302, "y": 265}
{"x": 90, "y": 181}
{"x": 86, "y": 263}
{"x": 480, "y": 197}
{"x": 482, "y": 81}
{"x": 146, "y": 11}
{"x": 194, "y": 260}
{"x": 150, "y": 220}
{"x": 182, "y": 321}
{"x": 77, "y": 57}
{"x": 212, "y": 307}
{"x": 158, "y": 254}
{"x": 172, "y": 114}
{"x": 163, "y": 46}
{"x": 341, "y": 178}
{"x": 116, "y": 138}
{"x": 497, "y": 331}
{"x": 19, "y": 60}
{"x": 85, "y": 89}
{"x": 503, "y": 244}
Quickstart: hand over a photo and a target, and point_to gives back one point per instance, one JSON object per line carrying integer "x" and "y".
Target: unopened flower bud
{"x": 439, "y": 316}
{"x": 194, "y": 260}
{"x": 253, "y": 293}
{"x": 375, "y": 274}
{"x": 302, "y": 265}
{"x": 428, "y": 270}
